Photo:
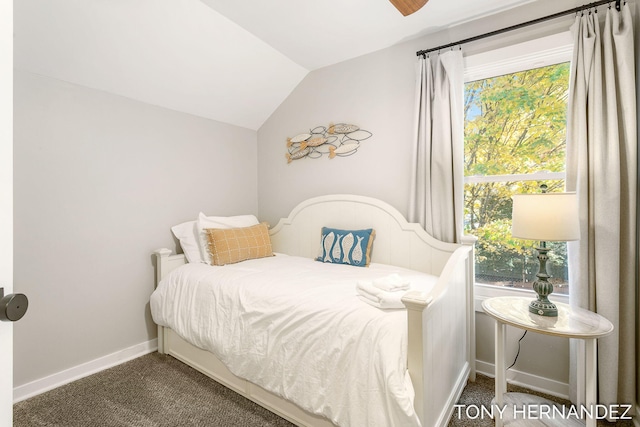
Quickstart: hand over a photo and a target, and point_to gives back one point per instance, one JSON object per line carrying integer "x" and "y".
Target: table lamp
{"x": 545, "y": 217}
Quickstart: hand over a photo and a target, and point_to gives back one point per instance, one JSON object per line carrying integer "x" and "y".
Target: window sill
{"x": 483, "y": 292}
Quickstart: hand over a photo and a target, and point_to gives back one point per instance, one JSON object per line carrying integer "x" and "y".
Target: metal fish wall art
{"x": 342, "y": 128}
{"x": 341, "y": 140}
{"x": 344, "y": 149}
{"x": 298, "y": 154}
{"x": 298, "y": 138}
{"x": 313, "y": 142}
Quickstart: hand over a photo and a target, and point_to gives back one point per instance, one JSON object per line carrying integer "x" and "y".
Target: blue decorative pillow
{"x": 346, "y": 246}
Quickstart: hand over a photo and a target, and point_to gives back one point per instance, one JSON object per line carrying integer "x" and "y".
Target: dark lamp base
{"x": 542, "y": 308}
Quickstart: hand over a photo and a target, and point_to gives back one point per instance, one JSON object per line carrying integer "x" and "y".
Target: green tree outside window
{"x": 515, "y": 126}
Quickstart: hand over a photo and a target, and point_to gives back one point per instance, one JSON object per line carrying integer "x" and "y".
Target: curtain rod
{"x": 522, "y": 25}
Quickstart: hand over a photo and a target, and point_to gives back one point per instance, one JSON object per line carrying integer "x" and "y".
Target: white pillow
{"x": 187, "y": 234}
{"x": 223, "y": 222}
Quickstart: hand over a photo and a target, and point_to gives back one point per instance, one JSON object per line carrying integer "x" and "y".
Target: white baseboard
{"x": 23, "y": 392}
{"x": 530, "y": 381}
{"x": 36, "y": 387}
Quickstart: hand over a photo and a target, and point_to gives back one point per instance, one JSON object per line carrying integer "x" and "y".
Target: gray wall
{"x": 99, "y": 181}
{"x": 374, "y": 92}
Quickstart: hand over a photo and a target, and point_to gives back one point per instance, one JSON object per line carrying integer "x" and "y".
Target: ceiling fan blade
{"x": 407, "y": 7}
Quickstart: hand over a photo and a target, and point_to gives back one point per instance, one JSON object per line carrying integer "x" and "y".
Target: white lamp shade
{"x": 545, "y": 217}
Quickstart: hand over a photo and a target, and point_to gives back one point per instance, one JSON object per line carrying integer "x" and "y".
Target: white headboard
{"x": 397, "y": 242}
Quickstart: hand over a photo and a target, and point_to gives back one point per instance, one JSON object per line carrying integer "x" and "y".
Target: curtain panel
{"x": 437, "y": 191}
{"x": 602, "y": 169}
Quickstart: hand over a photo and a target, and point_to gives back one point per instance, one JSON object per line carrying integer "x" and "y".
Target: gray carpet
{"x": 153, "y": 390}
{"x": 157, "y": 390}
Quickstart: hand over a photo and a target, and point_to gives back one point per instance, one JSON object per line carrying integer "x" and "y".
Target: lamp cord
{"x": 518, "y": 353}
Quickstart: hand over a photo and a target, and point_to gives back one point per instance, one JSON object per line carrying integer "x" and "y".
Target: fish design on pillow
{"x": 327, "y": 242}
{"x": 336, "y": 254}
{"x": 357, "y": 251}
{"x": 347, "y": 244}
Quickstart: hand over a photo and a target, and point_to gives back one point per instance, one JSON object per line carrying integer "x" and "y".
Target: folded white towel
{"x": 377, "y": 297}
{"x": 392, "y": 283}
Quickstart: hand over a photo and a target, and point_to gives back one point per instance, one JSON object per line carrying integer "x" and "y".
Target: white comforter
{"x": 296, "y": 327}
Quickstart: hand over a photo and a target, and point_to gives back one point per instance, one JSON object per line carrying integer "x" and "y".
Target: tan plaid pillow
{"x": 228, "y": 246}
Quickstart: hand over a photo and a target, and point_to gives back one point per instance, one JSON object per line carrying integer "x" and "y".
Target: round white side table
{"x": 570, "y": 323}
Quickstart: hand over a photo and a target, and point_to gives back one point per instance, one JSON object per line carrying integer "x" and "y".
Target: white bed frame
{"x": 441, "y": 346}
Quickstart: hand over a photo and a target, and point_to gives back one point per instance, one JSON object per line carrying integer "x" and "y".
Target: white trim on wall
{"x": 34, "y": 388}
{"x": 549, "y": 50}
{"x": 530, "y": 381}
{"x": 58, "y": 379}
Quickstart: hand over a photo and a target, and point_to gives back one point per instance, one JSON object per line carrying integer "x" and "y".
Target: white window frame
{"x": 549, "y": 50}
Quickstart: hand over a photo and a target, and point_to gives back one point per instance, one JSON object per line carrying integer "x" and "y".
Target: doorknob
{"x": 12, "y": 306}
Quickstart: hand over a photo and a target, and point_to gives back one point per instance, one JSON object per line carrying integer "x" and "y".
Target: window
{"x": 515, "y": 139}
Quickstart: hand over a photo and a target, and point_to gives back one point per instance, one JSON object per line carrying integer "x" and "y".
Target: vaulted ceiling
{"x": 231, "y": 61}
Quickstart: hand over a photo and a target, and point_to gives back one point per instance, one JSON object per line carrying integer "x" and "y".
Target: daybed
{"x": 439, "y": 339}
